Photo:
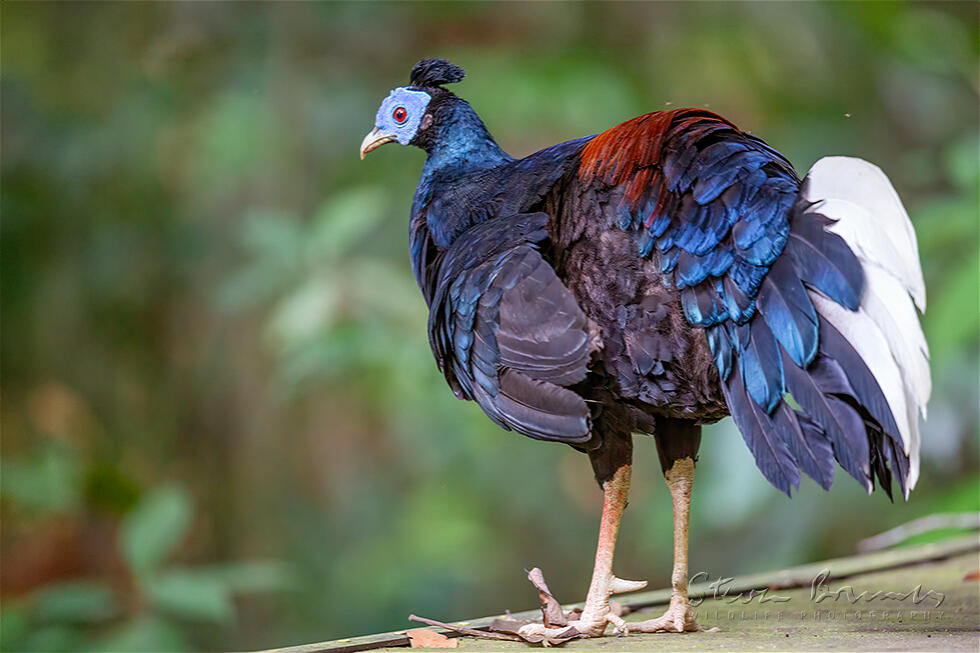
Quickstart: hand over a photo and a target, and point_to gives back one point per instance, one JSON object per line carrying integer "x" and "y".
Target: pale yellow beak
{"x": 374, "y": 140}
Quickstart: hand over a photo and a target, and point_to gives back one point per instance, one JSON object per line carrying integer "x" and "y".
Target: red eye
{"x": 399, "y": 114}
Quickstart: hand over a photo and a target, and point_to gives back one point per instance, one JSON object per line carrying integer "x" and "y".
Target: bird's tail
{"x": 884, "y": 331}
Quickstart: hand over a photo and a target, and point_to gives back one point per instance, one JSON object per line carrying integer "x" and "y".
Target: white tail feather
{"x": 864, "y": 184}
{"x": 885, "y": 331}
{"x": 886, "y": 302}
{"x": 864, "y": 234}
{"x": 873, "y": 348}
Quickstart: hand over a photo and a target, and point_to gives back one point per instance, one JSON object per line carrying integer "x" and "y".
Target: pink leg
{"x": 596, "y": 614}
{"x": 679, "y": 616}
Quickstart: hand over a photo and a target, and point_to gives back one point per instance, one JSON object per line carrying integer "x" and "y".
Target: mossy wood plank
{"x": 796, "y": 577}
{"x": 800, "y": 621}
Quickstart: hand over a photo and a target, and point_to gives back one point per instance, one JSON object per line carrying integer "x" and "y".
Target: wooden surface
{"x": 797, "y": 611}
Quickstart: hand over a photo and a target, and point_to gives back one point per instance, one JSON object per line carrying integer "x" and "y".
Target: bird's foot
{"x": 598, "y": 613}
{"x": 590, "y": 621}
{"x": 586, "y": 625}
{"x": 679, "y": 618}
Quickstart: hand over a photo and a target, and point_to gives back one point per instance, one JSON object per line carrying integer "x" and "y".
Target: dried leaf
{"x": 975, "y": 575}
{"x": 553, "y": 615}
{"x": 509, "y": 626}
{"x": 424, "y": 638}
{"x": 566, "y": 635}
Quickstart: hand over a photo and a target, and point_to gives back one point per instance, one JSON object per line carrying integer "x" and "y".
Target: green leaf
{"x": 952, "y": 319}
{"x": 191, "y": 594}
{"x": 14, "y": 626}
{"x": 344, "y": 219}
{"x": 49, "y": 481}
{"x": 304, "y": 312}
{"x": 110, "y": 487}
{"x": 145, "y": 633}
{"x": 154, "y": 528}
{"x": 78, "y": 601}
{"x": 271, "y": 234}
{"x": 254, "y": 576}
{"x": 234, "y": 140}
{"x": 56, "y": 637}
{"x": 962, "y": 163}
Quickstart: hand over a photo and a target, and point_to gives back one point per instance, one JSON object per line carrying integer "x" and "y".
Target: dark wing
{"x": 507, "y": 333}
{"x": 719, "y": 210}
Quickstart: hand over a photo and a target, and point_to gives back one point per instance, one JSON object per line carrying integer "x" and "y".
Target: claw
{"x": 620, "y": 627}
{"x": 621, "y": 585}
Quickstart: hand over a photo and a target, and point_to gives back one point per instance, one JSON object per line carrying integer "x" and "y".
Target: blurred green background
{"x": 222, "y": 425}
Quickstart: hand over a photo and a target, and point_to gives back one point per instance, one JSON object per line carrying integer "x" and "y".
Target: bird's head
{"x": 411, "y": 114}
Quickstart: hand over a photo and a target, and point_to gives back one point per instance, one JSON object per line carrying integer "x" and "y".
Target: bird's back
{"x": 645, "y": 221}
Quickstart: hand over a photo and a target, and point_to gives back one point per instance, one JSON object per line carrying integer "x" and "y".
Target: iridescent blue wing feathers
{"x": 508, "y": 334}
{"x": 721, "y": 213}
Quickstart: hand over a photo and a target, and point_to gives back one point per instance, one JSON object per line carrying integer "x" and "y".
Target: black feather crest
{"x": 435, "y": 72}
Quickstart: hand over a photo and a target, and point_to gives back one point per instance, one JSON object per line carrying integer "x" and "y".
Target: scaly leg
{"x": 679, "y": 616}
{"x": 596, "y": 614}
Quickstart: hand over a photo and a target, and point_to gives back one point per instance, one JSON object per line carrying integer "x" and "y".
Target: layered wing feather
{"x": 775, "y": 281}
{"x": 508, "y": 334}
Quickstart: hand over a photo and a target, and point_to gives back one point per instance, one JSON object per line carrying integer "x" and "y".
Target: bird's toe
{"x": 679, "y": 618}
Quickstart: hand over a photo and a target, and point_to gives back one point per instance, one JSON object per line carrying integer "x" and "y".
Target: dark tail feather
{"x": 808, "y": 444}
{"x": 760, "y": 434}
{"x": 879, "y": 457}
{"x": 787, "y": 347}
{"x": 816, "y": 390}
{"x": 869, "y": 396}
{"x": 823, "y": 260}
{"x": 899, "y": 462}
{"x": 866, "y": 390}
{"x": 787, "y": 308}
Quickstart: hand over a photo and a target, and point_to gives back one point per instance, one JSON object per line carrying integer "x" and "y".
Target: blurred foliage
{"x": 148, "y": 610}
{"x": 205, "y": 294}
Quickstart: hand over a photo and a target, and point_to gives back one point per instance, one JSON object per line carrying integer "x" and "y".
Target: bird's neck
{"x": 464, "y": 145}
{"x": 460, "y": 162}
{"x": 452, "y": 191}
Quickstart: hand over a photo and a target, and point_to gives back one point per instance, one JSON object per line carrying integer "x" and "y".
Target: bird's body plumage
{"x": 687, "y": 246}
{"x": 661, "y": 275}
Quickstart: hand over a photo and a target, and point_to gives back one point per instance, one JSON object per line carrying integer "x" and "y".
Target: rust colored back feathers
{"x": 631, "y": 153}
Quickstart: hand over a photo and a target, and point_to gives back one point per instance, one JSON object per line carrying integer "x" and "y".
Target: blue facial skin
{"x": 414, "y": 103}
